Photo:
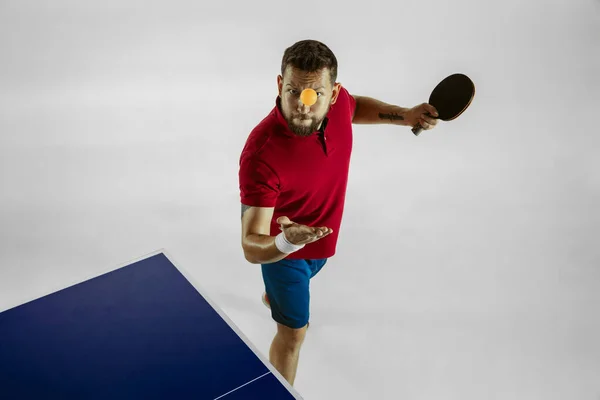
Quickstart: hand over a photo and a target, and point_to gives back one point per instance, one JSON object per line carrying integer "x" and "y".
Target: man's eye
{"x": 295, "y": 92}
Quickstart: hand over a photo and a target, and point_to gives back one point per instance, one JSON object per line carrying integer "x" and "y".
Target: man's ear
{"x": 279, "y": 85}
{"x": 335, "y": 92}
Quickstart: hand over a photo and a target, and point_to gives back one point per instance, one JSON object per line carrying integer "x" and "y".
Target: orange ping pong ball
{"x": 308, "y": 97}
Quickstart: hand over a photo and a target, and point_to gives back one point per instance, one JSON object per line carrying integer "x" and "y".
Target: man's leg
{"x": 287, "y": 287}
{"x": 285, "y": 351}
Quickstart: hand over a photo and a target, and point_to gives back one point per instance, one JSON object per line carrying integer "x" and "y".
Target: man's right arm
{"x": 259, "y": 247}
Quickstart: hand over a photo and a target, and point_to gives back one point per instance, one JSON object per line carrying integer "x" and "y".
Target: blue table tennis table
{"x": 140, "y": 331}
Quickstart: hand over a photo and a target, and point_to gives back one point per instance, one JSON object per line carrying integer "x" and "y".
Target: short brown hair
{"x": 310, "y": 56}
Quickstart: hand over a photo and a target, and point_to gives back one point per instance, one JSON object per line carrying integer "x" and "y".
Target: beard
{"x": 300, "y": 126}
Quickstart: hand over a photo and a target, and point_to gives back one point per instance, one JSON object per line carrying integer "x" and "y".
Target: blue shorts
{"x": 287, "y": 286}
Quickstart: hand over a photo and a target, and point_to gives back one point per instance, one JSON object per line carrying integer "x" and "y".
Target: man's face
{"x": 303, "y": 120}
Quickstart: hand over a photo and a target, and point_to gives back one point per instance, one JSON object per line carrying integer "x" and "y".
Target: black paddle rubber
{"x": 450, "y": 97}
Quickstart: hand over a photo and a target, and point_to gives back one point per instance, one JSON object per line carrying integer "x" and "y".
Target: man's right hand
{"x": 259, "y": 247}
{"x": 301, "y": 234}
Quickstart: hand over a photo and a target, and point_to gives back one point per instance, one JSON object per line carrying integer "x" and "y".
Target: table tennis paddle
{"x": 450, "y": 97}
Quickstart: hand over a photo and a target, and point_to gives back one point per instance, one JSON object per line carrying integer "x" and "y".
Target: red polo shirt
{"x": 304, "y": 178}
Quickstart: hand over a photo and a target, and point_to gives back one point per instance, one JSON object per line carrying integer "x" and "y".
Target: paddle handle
{"x": 417, "y": 129}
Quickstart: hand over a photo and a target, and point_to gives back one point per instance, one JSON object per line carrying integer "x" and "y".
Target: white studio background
{"x": 467, "y": 266}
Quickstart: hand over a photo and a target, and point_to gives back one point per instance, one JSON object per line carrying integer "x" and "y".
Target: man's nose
{"x": 302, "y": 108}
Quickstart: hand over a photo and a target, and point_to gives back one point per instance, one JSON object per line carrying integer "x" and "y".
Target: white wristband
{"x": 284, "y": 246}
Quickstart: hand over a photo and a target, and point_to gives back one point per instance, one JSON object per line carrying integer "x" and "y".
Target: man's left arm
{"x": 372, "y": 111}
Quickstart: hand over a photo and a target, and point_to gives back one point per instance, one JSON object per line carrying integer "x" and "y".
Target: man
{"x": 293, "y": 177}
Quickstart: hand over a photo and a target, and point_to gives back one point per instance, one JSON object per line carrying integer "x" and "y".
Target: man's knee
{"x": 293, "y": 338}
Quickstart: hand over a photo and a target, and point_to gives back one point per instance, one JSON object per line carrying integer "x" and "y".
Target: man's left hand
{"x": 423, "y": 114}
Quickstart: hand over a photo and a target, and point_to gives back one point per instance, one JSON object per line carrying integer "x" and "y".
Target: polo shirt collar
{"x": 286, "y": 129}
